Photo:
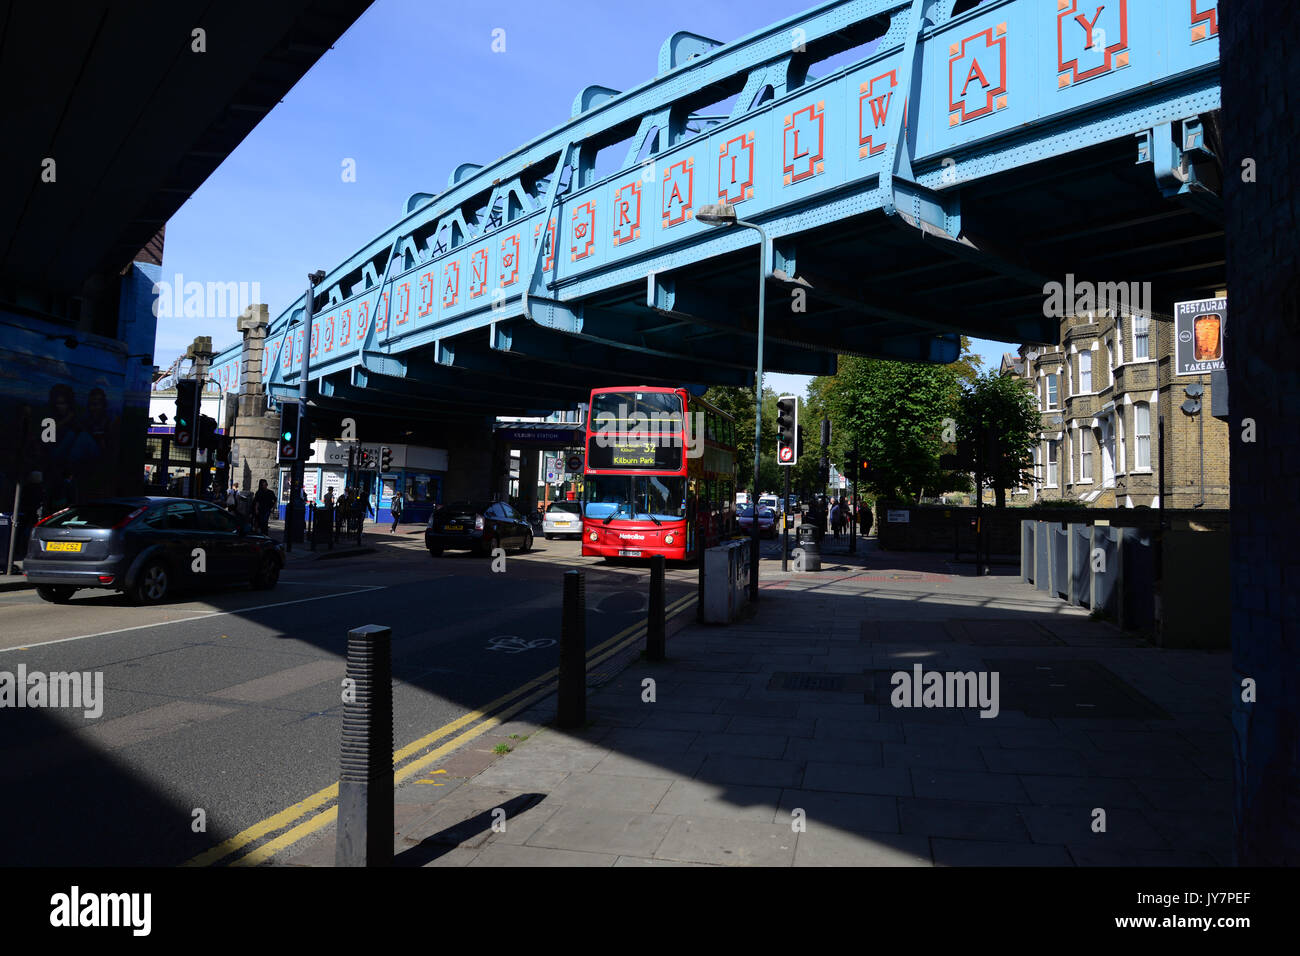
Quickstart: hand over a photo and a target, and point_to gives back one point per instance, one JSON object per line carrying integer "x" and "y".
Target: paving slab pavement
{"x": 782, "y": 740}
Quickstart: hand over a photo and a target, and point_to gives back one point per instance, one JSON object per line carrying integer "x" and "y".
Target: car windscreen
{"x": 638, "y": 498}
{"x": 461, "y": 509}
{"x": 568, "y": 507}
{"x": 103, "y": 514}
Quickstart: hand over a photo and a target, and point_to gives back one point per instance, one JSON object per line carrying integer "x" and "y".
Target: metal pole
{"x": 297, "y": 467}
{"x": 365, "y": 814}
{"x": 853, "y": 522}
{"x": 785, "y": 524}
{"x": 13, "y": 522}
{"x": 699, "y": 561}
{"x": 979, "y": 500}
{"x": 1200, "y": 436}
{"x": 194, "y": 436}
{"x": 758, "y": 404}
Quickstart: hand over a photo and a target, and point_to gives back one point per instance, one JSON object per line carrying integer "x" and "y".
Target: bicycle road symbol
{"x": 517, "y": 645}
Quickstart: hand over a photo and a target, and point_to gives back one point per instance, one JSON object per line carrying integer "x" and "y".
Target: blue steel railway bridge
{"x": 957, "y": 158}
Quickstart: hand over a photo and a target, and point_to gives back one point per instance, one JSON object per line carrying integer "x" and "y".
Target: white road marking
{"x": 197, "y": 617}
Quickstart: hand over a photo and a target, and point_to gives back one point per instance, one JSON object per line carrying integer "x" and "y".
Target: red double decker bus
{"x": 660, "y": 473}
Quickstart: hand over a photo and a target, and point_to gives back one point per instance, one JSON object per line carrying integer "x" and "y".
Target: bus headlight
{"x": 593, "y": 536}
{"x": 668, "y": 539}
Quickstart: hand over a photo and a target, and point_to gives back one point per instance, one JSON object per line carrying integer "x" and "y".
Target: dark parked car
{"x": 766, "y": 521}
{"x": 477, "y": 526}
{"x": 145, "y": 547}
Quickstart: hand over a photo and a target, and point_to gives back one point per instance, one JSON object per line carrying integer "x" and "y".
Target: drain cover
{"x": 1070, "y": 689}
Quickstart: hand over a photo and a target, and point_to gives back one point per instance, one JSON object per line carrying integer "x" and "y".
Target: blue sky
{"x": 410, "y": 91}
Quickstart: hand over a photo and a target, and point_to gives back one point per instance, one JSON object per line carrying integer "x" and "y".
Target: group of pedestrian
{"x": 836, "y": 514}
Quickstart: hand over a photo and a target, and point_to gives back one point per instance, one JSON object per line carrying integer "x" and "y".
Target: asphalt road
{"x": 225, "y": 707}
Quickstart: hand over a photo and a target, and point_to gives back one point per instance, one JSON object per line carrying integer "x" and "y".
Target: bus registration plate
{"x": 629, "y": 554}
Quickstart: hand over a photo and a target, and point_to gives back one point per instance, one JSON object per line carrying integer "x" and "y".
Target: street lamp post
{"x": 724, "y": 214}
{"x": 299, "y": 465}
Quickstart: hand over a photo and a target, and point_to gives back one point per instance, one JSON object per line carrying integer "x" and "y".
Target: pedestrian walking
{"x": 395, "y": 509}
{"x": 232, "y": 497}
{"x": 263, "y": 502}
{"x": 836, "y": 519}
{"x": 864, "y": 516}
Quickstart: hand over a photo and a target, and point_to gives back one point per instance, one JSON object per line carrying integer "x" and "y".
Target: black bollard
{"x": 572, "y": 704}
{"x": 655, "y": 625}
{"x": 365, "y": 827}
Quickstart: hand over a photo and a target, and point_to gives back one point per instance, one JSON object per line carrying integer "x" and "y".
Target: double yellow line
{"x": 321, "y": 808}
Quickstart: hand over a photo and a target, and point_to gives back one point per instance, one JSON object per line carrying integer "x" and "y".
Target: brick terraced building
{"x": 1100, "y": 395}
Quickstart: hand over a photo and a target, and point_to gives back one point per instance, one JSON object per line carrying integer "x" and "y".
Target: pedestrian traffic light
{"x": 187, "y": 412}
{"x": 787, "y": 423}
{"x": 385, "y": 459}
{"x": 289, "y": 437}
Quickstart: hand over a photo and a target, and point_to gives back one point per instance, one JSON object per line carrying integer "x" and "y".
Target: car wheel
{"x": 550, "y": 537}
{"x": 492, "y": 547}
{"x": 56, "y": 593}
{"x": 268, "y": 573}
{"x": 528, "y": 543}
{"x": 153, "y": 584}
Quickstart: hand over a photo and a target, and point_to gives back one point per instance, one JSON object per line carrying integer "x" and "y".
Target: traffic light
{"x": 289, "y": 437}
{"x": 187, "y": 412}
{"x": 864, "y": 471}
{"x": 787, "y": 424}
{"x": 826, "y": 432}
{"x": 824, "y": 471}
{"x": 207, "y": 433}
{"x": 385, "y": 459}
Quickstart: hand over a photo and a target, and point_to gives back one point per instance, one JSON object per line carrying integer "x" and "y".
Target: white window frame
{"x": 1144, "y": 338}
{"x": 1085, "y": 375}
{"x": 1141, "y": 441}
{"x": 1053, "y": 464}
{"x": 1085, "y": 458}
{"x": 1053, "y": 391}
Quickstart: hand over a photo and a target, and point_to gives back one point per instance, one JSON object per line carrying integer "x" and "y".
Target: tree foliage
{"x": 1004, "y": 406}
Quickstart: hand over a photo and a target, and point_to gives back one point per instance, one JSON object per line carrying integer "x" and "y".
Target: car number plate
{"x": 63, "y": 546}
{"x": 453, "y": 527}
{"x": 562, "y": 524}
{"x": 629, "y": 554}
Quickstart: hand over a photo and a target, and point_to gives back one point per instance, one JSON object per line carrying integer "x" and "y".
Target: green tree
{"x": 1002, "y": 406}
{"x": 896, "y": 411}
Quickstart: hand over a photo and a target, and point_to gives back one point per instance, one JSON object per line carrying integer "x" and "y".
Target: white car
{"x": 770, "y": 501}
{"x": 561, "y": 518}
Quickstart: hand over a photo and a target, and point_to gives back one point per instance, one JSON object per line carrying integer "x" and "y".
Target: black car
{"x": 477, "y": 526}
{"x": 146, "y": 547}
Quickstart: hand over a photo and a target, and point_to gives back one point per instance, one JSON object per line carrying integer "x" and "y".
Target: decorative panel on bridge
{"x": 937, "y": 112}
